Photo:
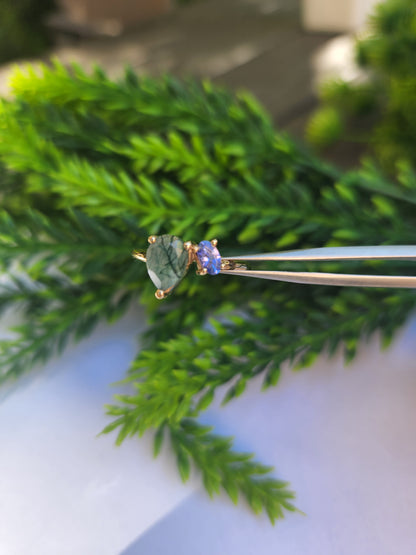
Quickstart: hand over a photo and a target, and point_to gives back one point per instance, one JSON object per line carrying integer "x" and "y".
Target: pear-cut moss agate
{"x": 167, "y": 261}
{"x": 209, "y": 258}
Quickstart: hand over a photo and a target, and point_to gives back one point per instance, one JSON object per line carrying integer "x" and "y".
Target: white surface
{"x": 336, "y": 15}
{"x": 336, "y": 60}
{"x": 344, "y": 438}
{"x": 64, "y": 491}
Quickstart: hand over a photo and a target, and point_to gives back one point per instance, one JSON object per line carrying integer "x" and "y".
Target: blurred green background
{"x": 23, "y": 31}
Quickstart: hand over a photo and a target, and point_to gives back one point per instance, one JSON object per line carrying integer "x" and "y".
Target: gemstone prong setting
{"x": 139, "y": 255}
{"x": 209, "y": 257}
{"x": 168, "y": 259}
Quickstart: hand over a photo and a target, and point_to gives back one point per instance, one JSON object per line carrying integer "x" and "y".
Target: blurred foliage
{"x": 22, "y": 29}
{"x": 380, "y": 110}
{"x": 91, "y": 167}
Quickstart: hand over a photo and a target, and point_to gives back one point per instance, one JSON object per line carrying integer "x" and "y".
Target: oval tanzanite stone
{"x": 209, "y": 258}
{"x": 167, "y": 261}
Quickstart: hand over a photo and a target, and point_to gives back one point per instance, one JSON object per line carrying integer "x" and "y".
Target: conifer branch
{"x": 221, "y": 467}
{"x": 55, "y": 313}
{"x": 181, "y": 377}
{"x": 89, "y": 168}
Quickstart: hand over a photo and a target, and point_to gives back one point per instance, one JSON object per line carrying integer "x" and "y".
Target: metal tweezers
{"x": 232, "y": 266}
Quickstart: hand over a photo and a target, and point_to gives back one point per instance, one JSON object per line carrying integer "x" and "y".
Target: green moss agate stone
{"x": 167, "y": 261}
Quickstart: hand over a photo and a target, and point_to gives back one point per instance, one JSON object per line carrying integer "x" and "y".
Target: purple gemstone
{"x": 209, "y": 257}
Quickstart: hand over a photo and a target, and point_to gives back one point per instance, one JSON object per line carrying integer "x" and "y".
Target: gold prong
{"x": 139, "y": 255}
{"x": 202, "y": 272}
{"x": 152, "y": 239}
{"x": 187, "y": 245}
{"x": 160, "y": 294}
{"x": 195, "y": 248}
{"x": 214, "y": 242}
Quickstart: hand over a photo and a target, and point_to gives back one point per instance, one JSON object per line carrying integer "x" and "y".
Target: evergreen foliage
{"x": 90, "y": 168}
{"x": 379, "y": 110}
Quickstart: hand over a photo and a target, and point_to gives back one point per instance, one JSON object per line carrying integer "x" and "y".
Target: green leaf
{"x": 232, "y": 490}
{"x": 235, "y": 391}
{"x": 183, "y": 464}
{"x": 231, "y": 350}
{"x": 288, "y": 238}
{"x": 249, "y": 234}
{"x": 383, "y": 205}
{"x": 158, "y": 440}
{"x": 205, "y": 400}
